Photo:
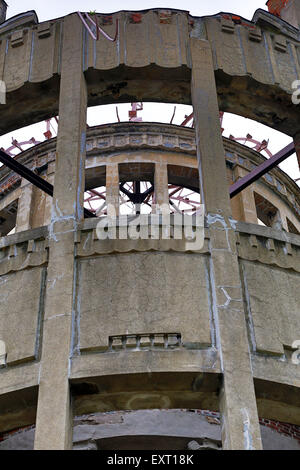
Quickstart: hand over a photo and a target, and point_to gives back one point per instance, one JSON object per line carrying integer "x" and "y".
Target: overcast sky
{"x": 235, "y": 125}
{"x": 56, "y": 8}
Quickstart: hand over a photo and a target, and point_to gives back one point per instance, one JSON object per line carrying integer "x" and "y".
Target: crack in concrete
{"x": 248, "y": 440}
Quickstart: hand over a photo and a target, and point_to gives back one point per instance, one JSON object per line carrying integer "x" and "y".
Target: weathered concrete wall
{"x": 262, "y": 55}
{"x": 22, "y": 278}
{"x": 166, "y": 297}
{"x": 20, "y": 315}
{"x": 273, "y": 304}
{"x": 100, "y": 289}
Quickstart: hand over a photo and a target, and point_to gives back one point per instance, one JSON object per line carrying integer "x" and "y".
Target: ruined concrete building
{"x": 149, "y": 342}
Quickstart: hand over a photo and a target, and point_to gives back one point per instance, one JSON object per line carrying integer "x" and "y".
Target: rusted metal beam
{"x": 235, "y": 189}
{"x": 29, "y": 175}
{"x": 32, "y": 177}
{"x": 187, "y": 119}
{"x": 261, "y": 170}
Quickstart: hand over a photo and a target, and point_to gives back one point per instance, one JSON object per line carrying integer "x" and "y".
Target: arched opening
{"x": 8, "y": 218}
{"x": 266, "y": 211}
{"x": 291, "y": 227}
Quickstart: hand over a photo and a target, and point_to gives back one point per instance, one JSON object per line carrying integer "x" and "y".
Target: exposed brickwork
{"x": 212, "y": 417}
{"x": 287, "y": 429}
{"x": 6, "y": 435}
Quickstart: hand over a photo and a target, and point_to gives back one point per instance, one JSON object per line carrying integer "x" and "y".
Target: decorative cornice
{"x": 88, "y": 243}
{"x": 23, "y": 250}
{"x": 268, "y": 246}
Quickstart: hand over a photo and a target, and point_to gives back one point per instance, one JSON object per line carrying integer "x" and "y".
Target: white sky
{"x": 56, "y": 8}
{"x": 235, "y": 125}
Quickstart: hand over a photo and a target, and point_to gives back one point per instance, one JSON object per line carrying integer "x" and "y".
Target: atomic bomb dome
{"x": 135, "y": 336}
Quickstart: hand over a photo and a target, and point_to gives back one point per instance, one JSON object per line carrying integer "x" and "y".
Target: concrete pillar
{"x": 244, "y": 203}
{"x": 25, "y": 206}
{"x": 291, "y": 13}
{"x": 31, "y": 207}
{"x": 3, "y": 10}
{"x": 161, "y": 188}
{"x": 279, "y": 221}
{"x": 112, "y": 189}
{"x": 54, "y": 412}
{"x": 285, "y": 225}
{"x": 49, "y": 200}
{"x": 288, "y": 11}
{"x": 240, "y": 424}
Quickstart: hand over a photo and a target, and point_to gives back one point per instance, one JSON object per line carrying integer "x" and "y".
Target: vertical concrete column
{"x": 284, "y": 221}
{"x": 112, "y": 189}
{"x": 291, "y": 13}
{"x": 49, "y": 200}
{"x": 3, "y": 10}
{"x": 161, "y": 188}
{"x": 240, "y": 424}
{"x": 279, "y": 221}
{"x": 54, "y": 412}
{"x": 243, "y": 205}
{"x": 25, "y": 206}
